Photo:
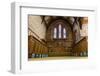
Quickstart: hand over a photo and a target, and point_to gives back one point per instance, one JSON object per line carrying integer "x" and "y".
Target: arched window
{"x": 55, "y": 33}
{"x": 64, "y": 33}
{"x": 59, "y": 32}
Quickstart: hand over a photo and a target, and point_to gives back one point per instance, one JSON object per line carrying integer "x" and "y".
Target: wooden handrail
{"x": 80, "y": 40}
{"x": 38, "y": 40}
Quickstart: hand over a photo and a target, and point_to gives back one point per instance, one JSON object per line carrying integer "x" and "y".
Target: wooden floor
{"x": 56, "y": 58}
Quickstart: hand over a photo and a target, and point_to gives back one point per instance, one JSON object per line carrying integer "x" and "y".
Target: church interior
{"x": 57, "y": 36}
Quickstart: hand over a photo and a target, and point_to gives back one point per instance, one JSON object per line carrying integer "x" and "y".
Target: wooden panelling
{"x": 36, "y": 47}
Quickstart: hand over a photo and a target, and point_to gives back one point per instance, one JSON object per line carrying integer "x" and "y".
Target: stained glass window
{"x": 55, "y": 33}
{"x": 64, "y": 33}
{"x": 59, "y": 32}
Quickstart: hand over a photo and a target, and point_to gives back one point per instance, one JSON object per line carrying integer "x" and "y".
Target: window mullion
{"x": 57, "y": 32}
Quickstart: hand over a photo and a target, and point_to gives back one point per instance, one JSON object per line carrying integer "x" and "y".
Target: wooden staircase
{"x": 80, "y": 48}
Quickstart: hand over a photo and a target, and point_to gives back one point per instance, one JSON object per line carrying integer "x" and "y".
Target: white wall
{"x": 36, "y": 26}
{"x": 5, "y": 42}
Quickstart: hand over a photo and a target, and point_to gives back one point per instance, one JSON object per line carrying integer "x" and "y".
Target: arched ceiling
{"x": 47, "y": 20}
